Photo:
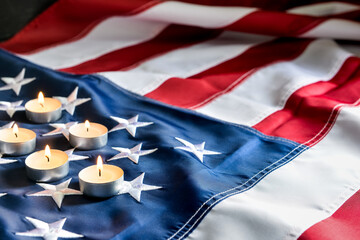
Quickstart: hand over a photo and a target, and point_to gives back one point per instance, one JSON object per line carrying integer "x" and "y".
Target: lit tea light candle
{"x": 88, "y": 135}
{"x": 43, "y": 109}
{"x": 47, "y": 165}
{"x": 101, "y": 180}
{"x": 17, "y": 141}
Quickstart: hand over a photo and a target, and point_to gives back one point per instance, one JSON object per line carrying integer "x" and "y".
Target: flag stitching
{"x": 244, "y": 189}
{"x": 300, "y": 151}
{"x": 340, "y": 106}
{"x": 301, "y": 147}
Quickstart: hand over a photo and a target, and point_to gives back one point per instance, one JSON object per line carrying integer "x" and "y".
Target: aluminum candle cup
{"x": 87, "y": 136}
{"x": 43, "y": 110}
{"x": 41, "y": 169}
{"x": 106, "y": 185}
{"x": 17, "y": 141}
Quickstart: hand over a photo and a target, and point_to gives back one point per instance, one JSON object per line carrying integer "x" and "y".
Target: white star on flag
{"x": 74, "y": 157}
{"x": 133, "y": 153}
{"x": 8, "y": 125}
{"x": 60, "y": 128}
{"x": 136, "y": 186}
{"x": 6, "y": 161}
{"x": 129, "y": 124}
{"x": 48, "y": 231}
{"x": 2, "y": 194}
{"x": 16, "y": 83}
{"x": 197, "y": 149}
{"x": 57, "y": 192}
{"x": 71, "y": 102}
{"x": 11, "y": 107}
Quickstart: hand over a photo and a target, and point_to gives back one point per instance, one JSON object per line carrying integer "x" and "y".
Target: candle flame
{"x": 15, "y": 130}
{"x": 47, "y": 153}
{"x": 99, "y": 165}
{"x": 87, "y": 125}
{"x": 41, "y": 99}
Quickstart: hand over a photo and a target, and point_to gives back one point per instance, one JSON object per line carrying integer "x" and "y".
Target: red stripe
{"x": 198, "y": 89}
{"x": 343, "y": 224}
{"x": 69, "y": 20}
{"x": 308, "y": 109}
{"x": 275, "y": 23}
{"x": 173, "y": 37}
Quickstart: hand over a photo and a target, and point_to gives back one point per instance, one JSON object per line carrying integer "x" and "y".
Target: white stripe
{"x": 120, "y": 32}
{"x": 268, "y": 89}
{"x": 196, "y": 15}
{"x": 296, "y": 196}
{"x": 324, "y": 9}
{"x": 184, "y": 62}
{"x": 111, "y": 34}
{"x": 335, "y": 28}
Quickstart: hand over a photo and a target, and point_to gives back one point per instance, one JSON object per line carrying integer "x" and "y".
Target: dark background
{"x": 15, "y": 14}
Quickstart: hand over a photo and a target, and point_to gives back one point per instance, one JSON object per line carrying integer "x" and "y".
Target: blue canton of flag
{"x": 176, "y": 169}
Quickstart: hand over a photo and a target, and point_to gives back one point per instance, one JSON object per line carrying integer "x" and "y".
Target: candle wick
{"x": 16, "y": 135}
{"x": 48, "y": 158}
{"x": 87, "y": 129}
{"x": 42, "y": 105}
{"x": 99, "y": 172}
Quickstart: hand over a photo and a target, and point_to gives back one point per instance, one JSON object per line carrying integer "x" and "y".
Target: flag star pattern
{"x": 129, "y": 124}
{"x": 74, "y": 157}
{"x": 248, "y": 113}
{"x": 48, "y": 231}
{"x": 166, "y": 167}
{"x": 133, "y": 154}
{"x": 197, "y": 149}
{"x": 11, "y": 107}
{"x": 136, "y": 186}
{"x": 60, "y": 128}
{"x": 16, "y": 83}
{"x": 71, "y": 102}
{"x": 57, "y": 192}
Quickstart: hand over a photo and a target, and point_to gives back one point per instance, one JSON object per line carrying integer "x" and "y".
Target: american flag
{"x": 231, "y": 119}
